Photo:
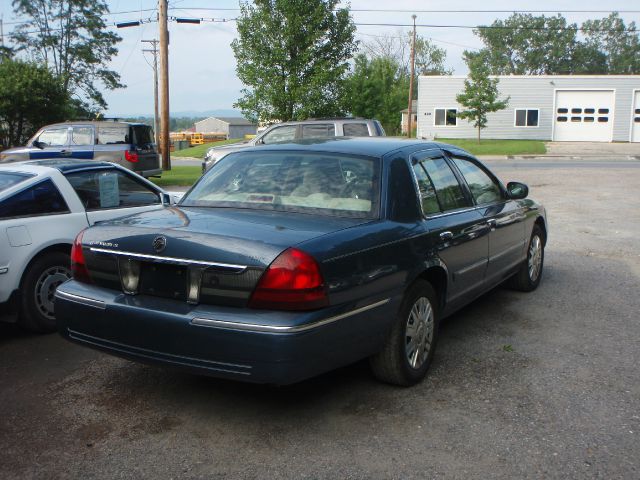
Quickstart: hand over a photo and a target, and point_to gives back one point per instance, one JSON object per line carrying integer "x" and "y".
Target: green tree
{"x": 292, "y": 56}
{"x": 71, "y": 38}
{"x": 30, "y": 96}
{"x": 377, "y": 88}
{"x": 480, "y": 95}
{"x": 615, "y": 45}
{"x": 525, "y": 44}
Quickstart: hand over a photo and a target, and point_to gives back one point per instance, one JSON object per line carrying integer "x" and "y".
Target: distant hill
{"x": 184, "y": 114}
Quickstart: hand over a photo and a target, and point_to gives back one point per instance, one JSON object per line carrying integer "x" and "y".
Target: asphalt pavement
{"x": 538, "y": 385}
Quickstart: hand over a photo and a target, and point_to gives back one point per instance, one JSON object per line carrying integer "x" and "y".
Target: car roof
{"x": 67, "y": 165}
{"x": 325, "y": 120}
{"x": 371, "y": 146}
{"x": 116, "y": 123}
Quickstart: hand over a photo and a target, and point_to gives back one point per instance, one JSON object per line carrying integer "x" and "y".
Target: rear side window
{"x": 82, "y": 135}
{"x": 448, "y": 193}
{"x": 319, "y": 131}
{"x": 41, "y": 199}
{"x": 104, "y": 189}
{"x": 9, "y": 179}
{"x": 355, "y": 130}
{"x": 113, "y": 135}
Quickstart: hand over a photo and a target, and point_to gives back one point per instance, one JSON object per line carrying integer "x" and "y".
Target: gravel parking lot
{"x": 540, "y": 385}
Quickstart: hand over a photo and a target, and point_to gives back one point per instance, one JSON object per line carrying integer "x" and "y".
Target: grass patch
{"x": 185, "y": 176}
{"x": 498, "y": 147}
{"x": 199, "y": 150}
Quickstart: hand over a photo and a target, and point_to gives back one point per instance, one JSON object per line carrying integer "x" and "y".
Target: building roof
{"x": 232, "y": 121}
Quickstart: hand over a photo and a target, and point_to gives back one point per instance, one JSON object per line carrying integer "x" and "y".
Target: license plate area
{"x": 164, "y": 280}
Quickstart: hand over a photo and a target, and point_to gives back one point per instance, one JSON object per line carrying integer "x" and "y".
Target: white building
{"x": 594, "y": 108}
{"x": 232, "y": 127}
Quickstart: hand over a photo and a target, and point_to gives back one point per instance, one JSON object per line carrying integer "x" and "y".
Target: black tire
{"x": 528, "y": 279}
{"x": 38, "y": 286}
{"x": 392, "y": 364}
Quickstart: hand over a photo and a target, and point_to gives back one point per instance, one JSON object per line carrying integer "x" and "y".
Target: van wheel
{"x": 408, "y": 351}
{"x": 38, "y": 288}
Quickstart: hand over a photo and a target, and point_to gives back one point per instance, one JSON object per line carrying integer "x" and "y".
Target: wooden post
{"x": 164, "y": 84}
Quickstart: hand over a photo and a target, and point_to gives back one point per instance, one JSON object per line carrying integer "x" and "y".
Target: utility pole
{"x": 413, "y": 62}
{"x": 156, "y": 120}
{"x": 164, "y": 83}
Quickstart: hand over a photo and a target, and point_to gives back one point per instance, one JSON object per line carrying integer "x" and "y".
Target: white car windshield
{"x": 306, "y": 182}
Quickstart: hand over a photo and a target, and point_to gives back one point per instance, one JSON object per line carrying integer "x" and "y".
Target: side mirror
{"x": 259, "y": 141}
{"x": 517, "y": 190}
{"x": 39, "y": 144}
{"x": 166, "y": 199}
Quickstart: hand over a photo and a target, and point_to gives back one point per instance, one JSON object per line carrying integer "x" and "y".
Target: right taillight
{"x": 78, "y": 265}
{"x": 292, "y": 282}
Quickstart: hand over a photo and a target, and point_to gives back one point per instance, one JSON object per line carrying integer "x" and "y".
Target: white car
{"x": 43, "y": 206}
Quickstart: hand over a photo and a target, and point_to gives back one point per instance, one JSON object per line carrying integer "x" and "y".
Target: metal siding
{"x": 212, "y": 125}
{"x": 526, "y": 92}
{"x": 239, "y": 131}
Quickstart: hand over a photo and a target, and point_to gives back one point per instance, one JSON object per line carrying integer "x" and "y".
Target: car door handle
{"x": 65, "y": 152}
{"x": 492, "y": 223}
{"x": 446, "y": 236}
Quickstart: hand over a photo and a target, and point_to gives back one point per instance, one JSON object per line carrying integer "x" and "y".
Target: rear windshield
{"x": 142, "y": 135}
{"x": 305, "y": 182}
{"x": 9, "y": 179}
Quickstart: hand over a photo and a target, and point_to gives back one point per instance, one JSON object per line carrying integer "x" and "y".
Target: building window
{"x": 446, "y": 117}
{"x": 527, "y": 117}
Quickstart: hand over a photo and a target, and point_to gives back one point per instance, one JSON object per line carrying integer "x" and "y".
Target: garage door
{"x": 635, "y": 128}
{"x": 584, "y": 116}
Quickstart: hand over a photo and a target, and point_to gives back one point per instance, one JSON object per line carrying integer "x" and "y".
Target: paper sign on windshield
{"x": 109, "y": 192}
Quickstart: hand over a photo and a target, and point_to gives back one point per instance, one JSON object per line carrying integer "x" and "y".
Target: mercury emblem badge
{"x": 159, "y": 243}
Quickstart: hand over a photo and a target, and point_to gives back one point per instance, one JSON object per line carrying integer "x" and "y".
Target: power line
{"x": 388, "y": 10}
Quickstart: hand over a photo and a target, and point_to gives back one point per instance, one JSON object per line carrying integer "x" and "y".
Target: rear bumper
{"x": 156, "y": 172}
{"x": 248, "y": 345}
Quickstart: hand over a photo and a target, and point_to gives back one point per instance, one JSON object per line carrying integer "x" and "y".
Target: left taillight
{"x": 131, "y": 156}
{"x": 78, "y": 265}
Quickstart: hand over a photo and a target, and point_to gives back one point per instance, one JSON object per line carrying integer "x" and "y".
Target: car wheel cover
{"x": 419, "y": 333}
{"x": 535, "y": 258}
{"x": 46, "y": 286}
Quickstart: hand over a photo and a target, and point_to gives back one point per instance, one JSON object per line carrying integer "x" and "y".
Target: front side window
{"x": 53, "y": 137}
{"x": 446, "y": 117}
{"x": 82, "y": 136}
{"x": 526, "y": 117}
{"x": 355, "y": 130}
{"x": 484, "y": 189}
{"x": 104, "y": 189}
{"x": 318, "y": 131}
{"x": 280, "y": 134}
{"x": 318, "y": 183}
{"x": 40, "y": 199}
{"x": 113, "y": 135}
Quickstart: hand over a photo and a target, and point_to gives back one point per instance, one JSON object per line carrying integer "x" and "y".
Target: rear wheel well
{"x": 58, "y": 247}
{"x": 437, "y": 277}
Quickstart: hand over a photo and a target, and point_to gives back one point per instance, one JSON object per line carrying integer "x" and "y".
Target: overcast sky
{"x": 202, "y": 65}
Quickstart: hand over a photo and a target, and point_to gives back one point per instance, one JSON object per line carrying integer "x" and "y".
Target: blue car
{"x": 286, "y": 261}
